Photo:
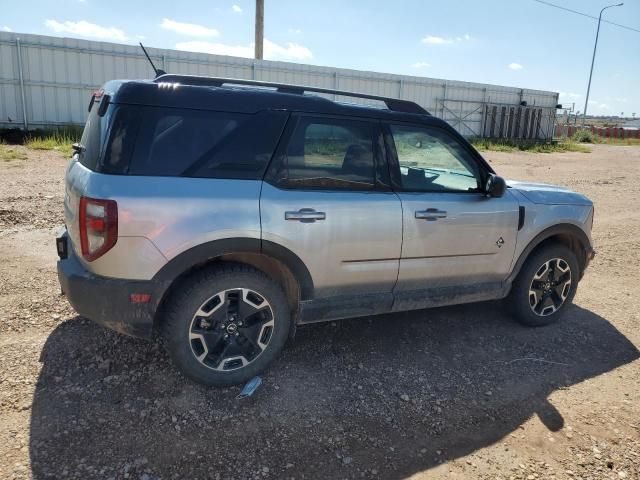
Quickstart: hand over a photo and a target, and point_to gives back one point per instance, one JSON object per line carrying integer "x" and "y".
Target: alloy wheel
{"x": 550, "y": 287}
{"x": 231, "y": 329}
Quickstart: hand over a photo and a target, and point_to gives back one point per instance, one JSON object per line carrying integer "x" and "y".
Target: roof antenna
{"x": 158, "y": 71}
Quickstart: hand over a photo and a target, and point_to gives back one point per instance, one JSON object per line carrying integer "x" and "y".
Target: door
{"x": 327, "y": 199}
{"x": 454, "y": 235}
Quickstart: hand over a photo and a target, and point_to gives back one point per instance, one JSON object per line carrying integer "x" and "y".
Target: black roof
{"x": 210, "y": 94}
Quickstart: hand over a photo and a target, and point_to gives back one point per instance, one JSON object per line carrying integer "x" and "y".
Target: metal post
{"x": 593, "y": 59}
{"x": 21, "y": 77}
{"x": 259, "y": 28}
{"x": 444, "y": 98}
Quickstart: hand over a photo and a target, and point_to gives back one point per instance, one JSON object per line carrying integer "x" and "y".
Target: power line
{"x": 586, "y": 15}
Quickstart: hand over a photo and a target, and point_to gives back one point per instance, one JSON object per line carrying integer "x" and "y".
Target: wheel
{"x": 226, "y": 324}
{"x": 545, "y": 285}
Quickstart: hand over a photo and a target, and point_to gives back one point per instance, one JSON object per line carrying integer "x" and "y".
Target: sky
{"x": 520, "y": 43}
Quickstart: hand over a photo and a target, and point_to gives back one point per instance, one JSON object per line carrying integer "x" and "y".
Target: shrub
{"x": 584, "y": 136}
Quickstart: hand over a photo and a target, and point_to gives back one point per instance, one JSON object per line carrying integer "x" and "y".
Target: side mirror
{"x": 495, "y": 186}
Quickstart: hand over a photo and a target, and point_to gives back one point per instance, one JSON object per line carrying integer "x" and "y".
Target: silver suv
{"x": 221, "y": 214}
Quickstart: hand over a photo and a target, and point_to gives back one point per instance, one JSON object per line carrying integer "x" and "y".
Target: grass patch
{"x": 618, "y": 141}
{"x": 504, "y": 145}
{"x": 10, "y": 152}
{"x": 58, "y": 141}
{"x": 586, "y": 136}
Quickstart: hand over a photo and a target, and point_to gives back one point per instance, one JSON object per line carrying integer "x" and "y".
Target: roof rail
{"x": 394, "y": 104}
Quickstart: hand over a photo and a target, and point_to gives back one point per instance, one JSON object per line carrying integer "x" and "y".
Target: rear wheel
{"x": 545, "y": 285}
{"x": 226, "y": 325}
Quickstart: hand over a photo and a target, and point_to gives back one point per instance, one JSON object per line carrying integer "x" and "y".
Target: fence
{"x": 607, "y": 132}
{"x": 47, "y": 81}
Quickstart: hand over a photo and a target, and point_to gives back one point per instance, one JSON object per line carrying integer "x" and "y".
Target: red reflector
{"x": 139, "y": 297}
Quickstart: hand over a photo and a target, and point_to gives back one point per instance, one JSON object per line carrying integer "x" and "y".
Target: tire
{"x": 226, "y": 324}
{"x": 537, "y": 299}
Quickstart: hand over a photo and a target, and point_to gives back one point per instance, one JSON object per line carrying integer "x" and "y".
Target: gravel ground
{"x": 459, "y": 392}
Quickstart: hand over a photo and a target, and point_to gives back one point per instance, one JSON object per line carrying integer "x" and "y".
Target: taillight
{"x": 98, "y": 226}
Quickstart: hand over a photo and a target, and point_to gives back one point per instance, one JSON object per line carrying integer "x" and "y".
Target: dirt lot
{"x": 457, "y": 392}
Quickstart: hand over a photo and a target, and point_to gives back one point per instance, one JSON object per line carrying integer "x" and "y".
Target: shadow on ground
{"x": 331, "y": 406}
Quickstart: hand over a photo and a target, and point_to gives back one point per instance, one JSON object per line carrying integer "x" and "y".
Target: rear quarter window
{"x": 192, "y": 143}
{"x": 93, "y": 137}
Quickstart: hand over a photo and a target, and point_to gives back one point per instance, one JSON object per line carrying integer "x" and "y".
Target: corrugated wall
{"x": 59, "y": 74}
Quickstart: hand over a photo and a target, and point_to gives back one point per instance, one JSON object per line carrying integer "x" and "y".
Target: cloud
{"x": 189, "y": 29}
{"x": 570, "y": 95}
{"x": 436, "y": 40}
{"x": 617, "y": 99}
{"x": 87, "y": 29}
{"x": 420, "y": 65}
{"x": 515, "y": 66}
{"x": 236, "y": 9}
{"x": 297, "y": 31}
{"x": 433, "y": 40}
{"x": 6, "y": 29}
{"x": 272, "y": 51}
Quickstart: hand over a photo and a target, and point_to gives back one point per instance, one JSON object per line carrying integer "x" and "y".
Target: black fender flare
{"x": 205, "y": 252}
{"x": 560, "y": 229}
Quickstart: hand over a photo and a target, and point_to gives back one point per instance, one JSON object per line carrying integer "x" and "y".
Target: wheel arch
{"x": 276, "y": 261}
{"x": 566, "y": 234}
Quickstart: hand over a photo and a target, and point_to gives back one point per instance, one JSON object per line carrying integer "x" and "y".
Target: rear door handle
{"x": 305, "y": 215}
{"x": 431, "y": 214}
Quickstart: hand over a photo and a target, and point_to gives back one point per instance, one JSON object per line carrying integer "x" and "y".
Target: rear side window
{"x": 93, "y": 136}
{"x": 192, "y": 143}
{"x": 329, "y": 153}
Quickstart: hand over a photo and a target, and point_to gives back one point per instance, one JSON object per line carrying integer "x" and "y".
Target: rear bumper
{"x": 107, "y": 301}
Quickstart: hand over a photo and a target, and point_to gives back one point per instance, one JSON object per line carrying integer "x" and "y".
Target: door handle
{"x": 305, "y": 215}
{"x": 431, "y": 214}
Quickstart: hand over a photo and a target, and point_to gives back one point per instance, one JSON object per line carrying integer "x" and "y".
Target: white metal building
{"x": 47, "y": 81}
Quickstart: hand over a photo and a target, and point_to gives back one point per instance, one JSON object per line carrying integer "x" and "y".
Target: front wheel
{"x": 545, "y": 285}
{"x": 226, "y": 324}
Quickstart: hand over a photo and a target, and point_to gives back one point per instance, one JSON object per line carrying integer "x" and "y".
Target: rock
{"x": 404, "y": 397}
{"x": 347, "y": 460}
{"x": 265, "y": 469}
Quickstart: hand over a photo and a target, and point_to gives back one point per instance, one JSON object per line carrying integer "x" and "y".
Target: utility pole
{"x": 259, "y": 28}
{"x": 593, "y": 59}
